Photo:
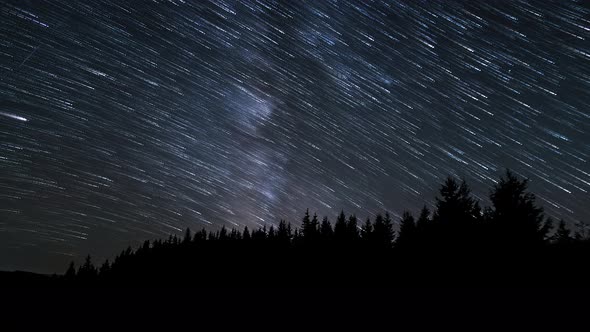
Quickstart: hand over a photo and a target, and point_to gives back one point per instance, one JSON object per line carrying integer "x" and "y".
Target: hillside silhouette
{"x": 510, "y": 243}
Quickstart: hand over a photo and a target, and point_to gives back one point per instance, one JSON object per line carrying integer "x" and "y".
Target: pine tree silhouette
{"x": 87, "y": 272}
{"x": 246, "y": 234}
{"x": 455, "y": 226}
{"x": 105, "y": 269}
{"x": 223, "y": 234}
{"x": 383, "y": 233}
{"x": 187, "y": 236}
{"x": 70, "y": 274}
{"x": 518, "y": 222}
{"x": 455, "y": 207}
{"x": 352, "y": 230}
{"x": 423, "y": 219}
{"x": 458, "y": 245}
{"x": 563, "y": 234}
{"x": 284, "y": 233}
{"x": 367, "y": 231}
{"x": 407, "y": 231}
{"x": 340, "y": 228}
{"x": 326, "y": 231}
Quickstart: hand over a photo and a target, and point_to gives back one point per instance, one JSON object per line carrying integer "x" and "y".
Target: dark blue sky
{"x": 128, "y": 120}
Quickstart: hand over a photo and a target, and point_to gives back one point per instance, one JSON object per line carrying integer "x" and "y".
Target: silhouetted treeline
{"x": 459, "y": 243}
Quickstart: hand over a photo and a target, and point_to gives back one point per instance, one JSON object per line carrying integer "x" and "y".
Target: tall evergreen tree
{"x": 367, "y": 230}
{"x": 223, "y": 233}
{"x": 315, "y": 227}
{"x": 340, "y": 227}
{"x": 562, "y": 234}
{"x": 70, "y": 272}
{"x": 407, "y": 231}
{"x": 326, "y": 231}
{"x": 259, "y": 234}
{"x": 516, "y": 218}
{"x": 456, "y": 219}
{"x": 383, "y": 233}
{"x": 271, "y": 233}
{"x": 455, "y": 206}
{"x": 187, "y": 236}
{"x": 200, "y": 235}
{"x": 246, "y": 234}
{"x": 235, "y": 234}
{"x": 307, "y": 228}
{"x": 284, "y": 233}
{"x": 423, "y": 219}
{"x": 105, "y": 268}
{"x": 87, "y": 272}
{"x": 352, "y": 228}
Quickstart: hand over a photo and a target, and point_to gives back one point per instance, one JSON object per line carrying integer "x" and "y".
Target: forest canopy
{"x": 459, "y": 242}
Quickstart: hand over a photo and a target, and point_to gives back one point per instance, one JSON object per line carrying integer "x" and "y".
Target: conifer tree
{"x": 187, "y": 236}
{"x": 284, "y": 233}
{"x": 407, "y": 231}
{"x": 562, "y": 234}
{"x": 340, "y": 228}
{"x": 367, "y": 230}
{"x": 517, "y": 219}
{"x": 352, "y": 228}
{"x": 70, "y": 272}
{"x": 423, "y": 219}
{"x": 383, "y": 233}
{"x": 326, "y": 230}
{"x": 246, "y": 234}
{"x": 105, "y": 268}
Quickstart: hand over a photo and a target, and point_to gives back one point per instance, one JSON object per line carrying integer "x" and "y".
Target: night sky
{"x": 122, "y": 121}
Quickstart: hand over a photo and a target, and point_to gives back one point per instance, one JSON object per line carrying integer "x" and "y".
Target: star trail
{"x": 122, "y": 121}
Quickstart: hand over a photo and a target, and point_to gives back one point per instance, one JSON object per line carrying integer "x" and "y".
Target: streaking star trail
{"x": 13, "y": 116}
{"x": 130, "y": 120}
